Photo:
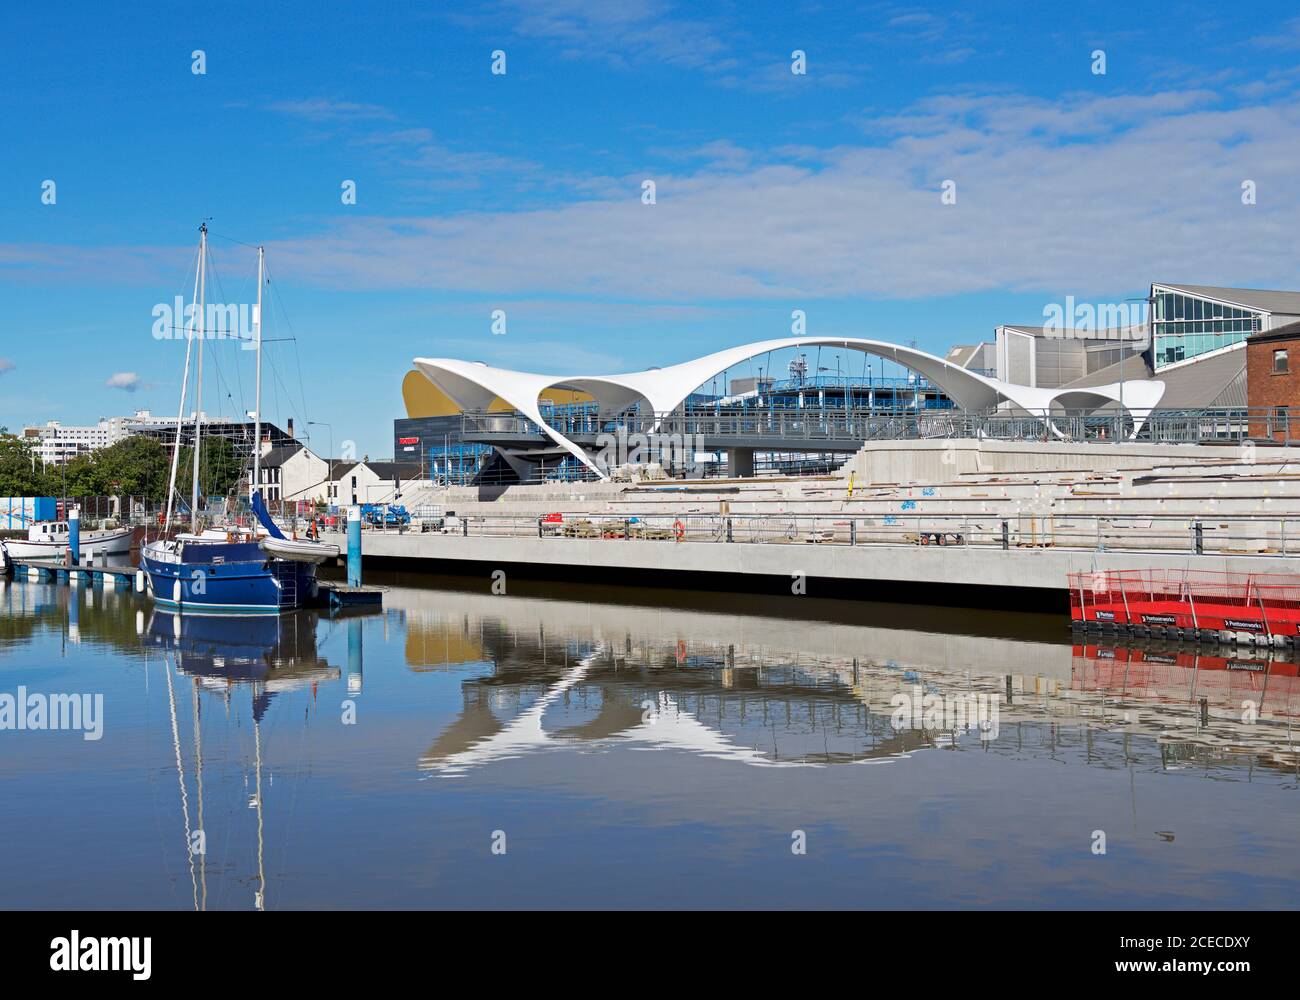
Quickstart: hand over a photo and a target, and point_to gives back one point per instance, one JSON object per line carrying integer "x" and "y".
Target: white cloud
{"x": 418, "y": 152}
{"x": 320, "y": 109}
{"x": 126, "y": 381}
{"x": 1089, "y": 193}
{"x": 621, "y": 32}
{"x": 1285, "y": 37}
{"x": 1085, "y": 195}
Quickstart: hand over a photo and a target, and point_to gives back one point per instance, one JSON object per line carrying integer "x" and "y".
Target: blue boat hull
{"x": 222, "y": 578}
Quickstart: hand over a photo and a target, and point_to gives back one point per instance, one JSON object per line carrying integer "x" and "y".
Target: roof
{"x": 1076, "y": 333}
{"x": 1289, "y": 331}
{"x": 965, "y": 355}
{"x": 394, "y": 470}
{"x": 474, "y": 385}
{"x": 1131, "y": 369}
{"x": 1263, "y": 299}
{"x": 278, "y": 456}
{"x": 384, "y": 470}
{"x": 1217, "y": 379}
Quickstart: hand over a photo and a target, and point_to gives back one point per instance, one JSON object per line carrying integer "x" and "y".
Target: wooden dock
{"x": 57, "y": 570}
{"x": 333, "y": 596}
{"x": 337, "y": 596}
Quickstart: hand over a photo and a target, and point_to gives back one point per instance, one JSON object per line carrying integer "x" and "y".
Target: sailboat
{"x": 229, "y": 568}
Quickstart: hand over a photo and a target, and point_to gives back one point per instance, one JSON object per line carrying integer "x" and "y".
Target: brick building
{"x": 1273, "y": 383}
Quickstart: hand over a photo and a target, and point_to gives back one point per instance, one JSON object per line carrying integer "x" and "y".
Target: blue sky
{"x": 522, "y": 191}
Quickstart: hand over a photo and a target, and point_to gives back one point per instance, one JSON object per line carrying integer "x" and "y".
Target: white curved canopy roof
{"x": 473, "y": 385}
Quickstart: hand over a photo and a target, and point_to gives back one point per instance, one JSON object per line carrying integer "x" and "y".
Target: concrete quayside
{"x": 974, "y": 522}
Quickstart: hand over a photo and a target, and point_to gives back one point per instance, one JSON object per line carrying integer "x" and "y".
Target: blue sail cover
{"x": 260, "y": 512}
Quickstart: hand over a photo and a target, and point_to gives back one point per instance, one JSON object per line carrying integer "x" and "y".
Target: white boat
{"x": 299, "y": 549}
{"x": 49, "y": 540}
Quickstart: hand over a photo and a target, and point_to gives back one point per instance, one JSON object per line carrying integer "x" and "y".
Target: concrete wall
{"x": 1129, "y": 496}
{"x": 304, "y": 477}
{"x": 942, "y": 566}
{"x": 936, "y": 461}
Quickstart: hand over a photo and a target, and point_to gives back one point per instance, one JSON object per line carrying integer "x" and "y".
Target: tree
{"x": 20, "y": 475}
{"x": 221, "y": 468}
{"x": 135, "y": 466}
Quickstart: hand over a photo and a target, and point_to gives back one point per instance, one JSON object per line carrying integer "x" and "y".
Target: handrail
{"x": 1245, "y": 535}
{"x": 856, "y": 424}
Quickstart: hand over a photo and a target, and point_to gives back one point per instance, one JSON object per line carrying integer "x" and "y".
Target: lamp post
{"x": 839, "y": 377}
{"x": 329, "y": 461}
{"x": 1123, "y": 350}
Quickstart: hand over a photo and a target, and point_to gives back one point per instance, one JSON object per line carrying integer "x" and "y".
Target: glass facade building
{"x": 1186, "y": 326}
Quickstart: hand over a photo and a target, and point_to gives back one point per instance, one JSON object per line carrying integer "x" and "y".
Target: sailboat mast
{"x": 257, "y": 399}
{"x": 180, "y": 410}
{"x": 198, "y": 385}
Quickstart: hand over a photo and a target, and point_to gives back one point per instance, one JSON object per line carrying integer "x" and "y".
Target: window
{"x": 1280, "y": 363}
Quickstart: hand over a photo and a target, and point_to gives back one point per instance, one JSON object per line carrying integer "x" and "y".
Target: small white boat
{"x": 49, "y": 540}
{"x": 298, "y": 549}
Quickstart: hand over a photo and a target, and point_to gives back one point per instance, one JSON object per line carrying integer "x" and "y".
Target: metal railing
{"x": 1246, "y": 535}
{"x": 860, "y": 424}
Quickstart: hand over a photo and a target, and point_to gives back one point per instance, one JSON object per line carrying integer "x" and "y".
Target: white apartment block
{"x": 55, "y": 442}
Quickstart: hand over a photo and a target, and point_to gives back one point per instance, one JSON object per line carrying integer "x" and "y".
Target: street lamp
{"x": 1150, "y": 320}
{"x": 839, "y": 376}
{"x": 329, "y": 461}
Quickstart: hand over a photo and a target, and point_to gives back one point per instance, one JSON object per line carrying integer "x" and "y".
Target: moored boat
{"x": 218, "y": 572}
{"x": 227, "y": 569}
{"x": 50, "y": 540}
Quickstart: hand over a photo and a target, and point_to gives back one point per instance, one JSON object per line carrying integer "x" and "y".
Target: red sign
{"x": 408, "y": 440}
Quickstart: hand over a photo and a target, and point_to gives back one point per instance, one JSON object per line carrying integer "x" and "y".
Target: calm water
{"x": 635, "y": 749}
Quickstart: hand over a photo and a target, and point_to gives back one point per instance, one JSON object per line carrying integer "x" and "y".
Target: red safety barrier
{"x": 1261, "y": 604}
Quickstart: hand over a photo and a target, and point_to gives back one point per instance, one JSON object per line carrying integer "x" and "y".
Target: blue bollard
{"x": 74, "y": 536}
{"x": 354, "y": 546}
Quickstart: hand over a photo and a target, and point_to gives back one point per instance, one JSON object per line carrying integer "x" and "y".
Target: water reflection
{"x": 761, "y": 692}
{"x": 656, "y": 695}
{"x": 265, "y": 655}
{"x": 594, "y": 729}
{"x": 268, "y": 654}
